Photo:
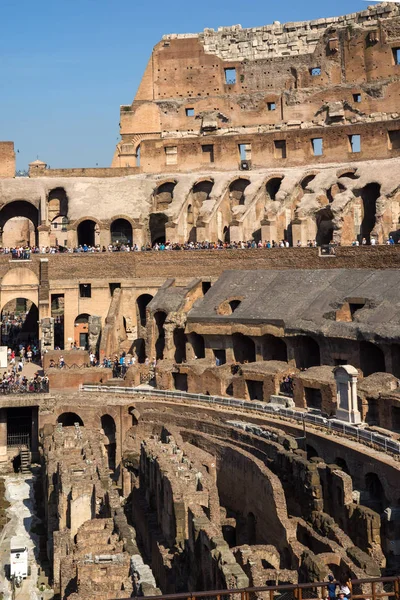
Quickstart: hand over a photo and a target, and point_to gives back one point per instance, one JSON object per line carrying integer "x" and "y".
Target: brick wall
{"x": 7, "y": 159}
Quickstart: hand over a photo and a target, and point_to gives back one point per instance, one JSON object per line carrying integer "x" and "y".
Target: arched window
{"x": 86, "y": 233}
{"x": 121, "y": 232}
{"x": 69, "y": 419}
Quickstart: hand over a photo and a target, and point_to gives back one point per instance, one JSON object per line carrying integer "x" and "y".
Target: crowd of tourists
{"x": 25, "y": 252}
{"x": 13, "y": 382}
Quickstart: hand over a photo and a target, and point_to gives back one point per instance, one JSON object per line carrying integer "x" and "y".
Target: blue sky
{"x": 67, "y": 65}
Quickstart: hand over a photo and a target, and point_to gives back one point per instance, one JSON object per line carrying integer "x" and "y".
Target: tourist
{"x": 61, "y": 362}
{"x": 331, "y": 587}
{"x": 345, "y": 589}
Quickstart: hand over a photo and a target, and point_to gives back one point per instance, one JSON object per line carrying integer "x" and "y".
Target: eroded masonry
{"x": 170, "y": 448}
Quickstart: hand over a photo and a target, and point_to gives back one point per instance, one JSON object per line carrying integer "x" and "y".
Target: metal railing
{"x": 333, "y": 425}
{"x": 18, "y": 440}
{"x": 361, "y": 589}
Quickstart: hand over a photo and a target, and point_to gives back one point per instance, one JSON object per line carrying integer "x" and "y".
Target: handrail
{"x": 370, "y": 590}
{"x": 333, "y": 425}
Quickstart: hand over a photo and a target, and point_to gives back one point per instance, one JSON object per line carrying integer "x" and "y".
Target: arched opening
{"x": 274, "y": 348}
{"x": 244, "y": 348}
{"x": 201, "y": 191}
{"x": 180, "y": 344}
{"x": 139, "y": 347}
{"x": 334, "y": 190}
{"x": 18, "y": 224}
{"x": 311, "y": 452}
{"x": 307, "y": 352}
{"x": 349, "y": 174}
{"x": 141, "y": 304}
{"x": 272, "y": 187}
{"x": 57, "y": 203}
{"x": 109, "y": 428}
{"x": 237, "y": 191}
{"x": 81, "y": 331}
{"x": 324, "y": 220}
{"x": 157, "y": 223}
{"x": 19, "y": 324}
{"x": 375, "y": 493}
{"x": 369, "y": 195}
{"x": 226, "y": 234}
{"x": 159, "y": 320}
{"x": 197, "y": 342}
{"x": 340, "y": 462}
{"x": 138, "y": 156}
{"x": 163, "y": 196}
{"x": 372, "y": 359}
{"x": 121, "y": 232}
{"x": 306, "y": 180}
{"x": 86, "y": 233}
{"x": 68, "y": 419}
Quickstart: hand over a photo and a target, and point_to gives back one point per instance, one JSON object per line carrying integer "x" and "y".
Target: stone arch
{"x": 81, "y": 331}
{"x": 307, "y": 178}
{"x": 237, "y": 191}
{"x": 121, "y": 231}
{"x": 86, "y": 232}
{"x": 68, "y": 419}
{"x": 340, "y": 462}
{"x": 350, "y": 173}
{"x": 163, "y": 195}
{"x": 244, "y": 348}
{"x": 372, "y": 358}
{"x": 14, "y": 214}
{"x": 141, "y": 305}
{"x": 19, "y": 321}
{"x": 157, "y": 227}
{"x": 159, "y": 320}
{"x": 229, "y": 306}
{"x": 20, "y": 276}
{"x": 57, "y": 203}
{"x": 274, "y": 348}
{"x": 272, "y": 186}
{"x": 307, "y": 352}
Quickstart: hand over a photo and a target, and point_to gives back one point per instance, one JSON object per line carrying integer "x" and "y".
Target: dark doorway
{"x": 372, "y": 359}
{"x": 157, "y": 224}
{"x": 19, "y": 323}
{"x": 180, "y": 345}
{"x": 220, "y": 357}
{"x": 141, "y": 302}
{"x": 274, "y": 348}
{"x": 121, "y": 232}
{"x": 19, "y": 426}
{"x": 255, "y": 389}
{"x": 86, "y": 233}
{"x": 109, "y": 428}
{"x": 324, "y": 220}
{"x": 159, "y": 318}
{"x": 307, "y": 352}
{"x": 237, "y": 191}
{"x": 197, "y": 342}
{"x": 244, "y": 348}
{"x": 180, "y": 382}
{"x": 313, "y": 398}
{"x": 272, "y": 187}
{"x": 69, "y": 419}
{"x": 369, "y": 195}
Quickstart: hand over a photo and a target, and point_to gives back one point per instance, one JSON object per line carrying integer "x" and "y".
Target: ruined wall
{"x": 7, "y": 159}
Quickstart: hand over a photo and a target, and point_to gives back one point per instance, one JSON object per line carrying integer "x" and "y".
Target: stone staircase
{"x": 25, "y": 461}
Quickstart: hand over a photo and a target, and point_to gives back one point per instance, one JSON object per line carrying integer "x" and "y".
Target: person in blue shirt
{"x": 331, "y": 588}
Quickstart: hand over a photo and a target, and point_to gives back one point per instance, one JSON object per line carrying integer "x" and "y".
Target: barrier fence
{"x": 333, "y": 425}
{"x": 361, "y": 589}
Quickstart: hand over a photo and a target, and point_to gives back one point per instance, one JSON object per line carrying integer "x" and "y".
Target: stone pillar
{"x": 44, "y": 235}
{"x": 47, "y": 334}
{"x": 94, "y": 328}
{"x": 268, "y": 230}
{"x": 236, "y": 231}
{"x": 346, "y": 384}
{"x": 138, "y": 235}
{"x": 3, "y": 435}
